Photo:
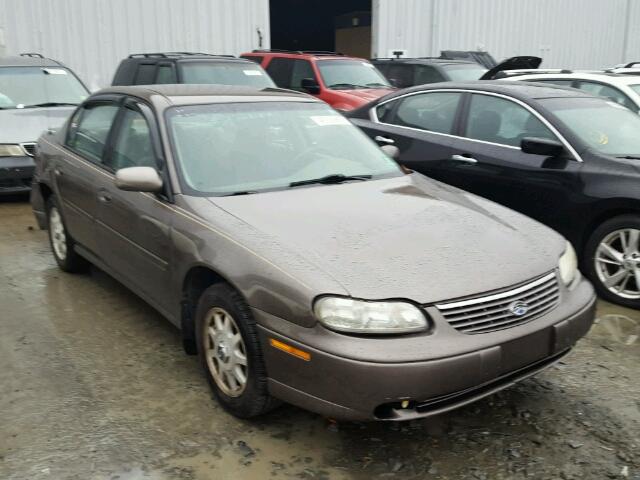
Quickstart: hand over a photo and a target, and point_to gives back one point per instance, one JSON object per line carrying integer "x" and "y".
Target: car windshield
{"x": 464, "y": 73}
{"x": 635, "y": 88}
{"x": 350, "y": 74}
{"x": 605, "y": 126}
{"x": 225, "y": 73}
{"x": 24, "y": 87}
{"x": 233, "y": 148}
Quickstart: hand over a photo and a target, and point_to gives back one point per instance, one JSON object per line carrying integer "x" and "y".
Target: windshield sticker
{"x": 324, "y": 120}
{"x": 54, "y": 71}
{"x": 252, "y": 72}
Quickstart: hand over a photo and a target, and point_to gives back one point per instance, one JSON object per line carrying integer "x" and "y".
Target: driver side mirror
{"x": 541, "y": 146}
{"x": 310, "y": 85}
{"x": 138, "y": 179}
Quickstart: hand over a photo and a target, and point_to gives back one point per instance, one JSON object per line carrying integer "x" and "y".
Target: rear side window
{"x": 133, "y": 146}
{"x": 432, "y": 112}
{"x": 146, "y": 74}
{"x": 166, "y": 74}
{"x": 90, "y": 128}
{"x": 498, "y": 120}
{"x": 280, "y": 69}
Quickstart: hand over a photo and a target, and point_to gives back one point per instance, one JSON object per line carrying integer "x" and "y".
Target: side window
{"x": 427, "y": 74}
{"x": 400, "y": 75}
{"x": 133, "y": 146}
{"x": 89, "y": 130}
{"x": 502, "y": 121}
{"x": 433, "y": 112}
{"x": 606, "y": 91}
{"x": 280, "y": 69}
{"x": 166, "y": 74}
{"x": 301, "y": 69}
{"x": 146, "y": 74}
{"x": 383, "y": 112}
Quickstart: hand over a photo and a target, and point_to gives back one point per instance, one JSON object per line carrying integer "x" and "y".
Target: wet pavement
{"x": 94, "y": 385}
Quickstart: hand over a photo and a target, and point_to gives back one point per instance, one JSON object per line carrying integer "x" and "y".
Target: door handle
{"x": 104, "y": 197}
{"x": 58, "y": 172}
{"x": 380, "y": 139}
{"x": 463, "y": 159}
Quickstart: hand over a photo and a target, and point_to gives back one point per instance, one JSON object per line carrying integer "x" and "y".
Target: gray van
{"x": 36, "y": 94}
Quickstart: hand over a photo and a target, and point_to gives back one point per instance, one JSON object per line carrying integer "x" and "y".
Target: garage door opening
{"x": 325, "y": 25}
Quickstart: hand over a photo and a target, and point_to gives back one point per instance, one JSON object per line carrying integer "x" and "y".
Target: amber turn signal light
{"x": 290, "y": 350}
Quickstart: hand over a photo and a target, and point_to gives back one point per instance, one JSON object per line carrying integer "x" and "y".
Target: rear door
{"x": 134, "y": 227}
{"x": 487, "y": 160}
{"x": 420, "y": 125}
{"x": 80, "y": 172}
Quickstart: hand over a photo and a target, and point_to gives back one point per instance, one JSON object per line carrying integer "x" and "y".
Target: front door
{"x": 134, "y": 227}
{"x": 496, "y": 168}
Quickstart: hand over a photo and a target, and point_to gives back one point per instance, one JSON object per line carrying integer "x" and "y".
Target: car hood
{"x": 403, "y": 237}
{"x": 360, "y": 97}
{"x": 26, "y": 124}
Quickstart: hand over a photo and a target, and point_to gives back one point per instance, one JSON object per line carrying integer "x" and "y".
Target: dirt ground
{"x": 94, "y": 385}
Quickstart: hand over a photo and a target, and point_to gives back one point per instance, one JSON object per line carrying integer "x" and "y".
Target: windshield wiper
{"x": 630, "y": 157}
{"x": 242, "y": 192}
{"x": 346, "y": 85}
{"x": 330, "y": 179}
{"x": 377, "y": 84}
{"x": 51, "y": 104}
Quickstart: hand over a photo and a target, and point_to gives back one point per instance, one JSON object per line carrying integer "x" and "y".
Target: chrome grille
{"x": 500, "y": 310}
{"x": 29, "y": 148}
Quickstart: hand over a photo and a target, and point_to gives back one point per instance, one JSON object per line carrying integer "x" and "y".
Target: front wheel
{"x": 612, "y": 260}
{"x": 230, "y": 352}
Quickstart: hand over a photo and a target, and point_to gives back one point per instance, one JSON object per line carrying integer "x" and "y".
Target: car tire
{"x": 62, "y": 244}
{"x": 227, "y": 336}
{"x": 614, "y": 269}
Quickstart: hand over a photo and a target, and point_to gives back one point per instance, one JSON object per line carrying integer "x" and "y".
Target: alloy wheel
{"x": 617, "y": 262}
{"x": 225, "y": 352}
{"x": 58, "y": 234}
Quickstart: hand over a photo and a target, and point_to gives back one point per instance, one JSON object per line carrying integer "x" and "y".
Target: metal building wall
{"x": 566, "y": 33}
{"x": 92, "y": 36}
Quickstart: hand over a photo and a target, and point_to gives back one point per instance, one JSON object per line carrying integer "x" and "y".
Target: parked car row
{"x": 303, "y": 264}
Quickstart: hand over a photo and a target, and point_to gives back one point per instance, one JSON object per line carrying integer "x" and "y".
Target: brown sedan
{"x": 300, "y": 262}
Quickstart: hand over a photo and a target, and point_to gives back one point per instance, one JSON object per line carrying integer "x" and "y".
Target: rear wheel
{"x": 230, "y": 352}
{"x": 61, "y": 242}
{"x": 612, "y": 260}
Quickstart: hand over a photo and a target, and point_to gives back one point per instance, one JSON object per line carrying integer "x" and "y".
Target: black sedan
{"x": 563, "y": 157}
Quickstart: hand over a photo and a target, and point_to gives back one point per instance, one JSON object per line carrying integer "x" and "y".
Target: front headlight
{"x": 8, "y": 150}
{"x": 360, "y": 316}
{"x": 568, "y": 265}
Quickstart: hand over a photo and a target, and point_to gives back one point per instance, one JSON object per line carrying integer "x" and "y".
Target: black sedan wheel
{"x": 613, "y": 260}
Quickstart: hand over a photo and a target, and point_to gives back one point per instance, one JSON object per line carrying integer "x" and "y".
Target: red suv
{"x": 343, "y": 82}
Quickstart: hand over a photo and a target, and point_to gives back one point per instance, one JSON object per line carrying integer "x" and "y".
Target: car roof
{"x": 424, "y": 61}
{"x": 178, "y": 94}
{"x": 519, "y": 90}
{"x": 602, "y": 76}
{"x": 307, "y": 54}
{"x": 29, "y": 61}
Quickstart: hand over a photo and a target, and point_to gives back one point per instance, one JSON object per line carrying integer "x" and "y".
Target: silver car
{"x": 299, "y": 260}
{"x": 36, "y": 94}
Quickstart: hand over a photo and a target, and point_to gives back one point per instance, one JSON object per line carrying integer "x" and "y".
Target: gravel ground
{"x": 94, "y": 385}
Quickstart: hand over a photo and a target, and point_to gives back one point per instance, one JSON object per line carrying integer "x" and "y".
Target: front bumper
{"x": 351, "y": 389}
{"x": 16, "y": 174}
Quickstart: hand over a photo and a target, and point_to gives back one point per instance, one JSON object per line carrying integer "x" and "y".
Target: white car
{"x": 621, "y": 87}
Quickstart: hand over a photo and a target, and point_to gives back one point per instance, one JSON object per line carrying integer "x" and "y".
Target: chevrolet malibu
{"x": 300, "y": 262}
